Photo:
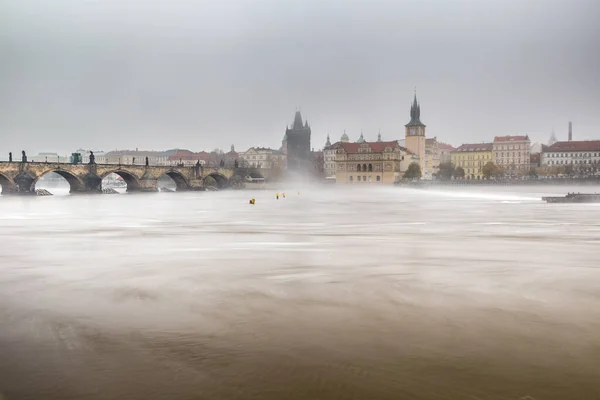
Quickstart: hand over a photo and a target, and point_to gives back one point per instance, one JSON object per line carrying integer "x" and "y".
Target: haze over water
{"x": 374, "y": 293}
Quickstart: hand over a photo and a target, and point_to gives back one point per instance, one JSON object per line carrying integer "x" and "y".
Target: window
{"x": 369, "y": 178}
{"x": 358, "y": 178}
{"x": 364, "y": 178}
{"x": 370, "y": 167}
{"x": 378, "y": 178}
{"x": 350, "y": 178}
{"x": 358, "y": 167}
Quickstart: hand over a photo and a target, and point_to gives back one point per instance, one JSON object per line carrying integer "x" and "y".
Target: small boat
{"x": 574, "y": 198}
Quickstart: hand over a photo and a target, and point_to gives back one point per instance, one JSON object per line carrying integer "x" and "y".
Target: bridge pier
{"x": 24, "y": 184}
{"x": 147, "y": 183}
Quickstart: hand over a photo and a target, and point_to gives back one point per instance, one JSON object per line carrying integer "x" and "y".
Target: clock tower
{"x": 415, "y": 133}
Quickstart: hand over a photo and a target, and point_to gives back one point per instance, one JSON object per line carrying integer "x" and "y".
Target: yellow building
{"x": 472, "y": 158}
{"x": 371, "y": 162}
{"x": 415, "y": 136}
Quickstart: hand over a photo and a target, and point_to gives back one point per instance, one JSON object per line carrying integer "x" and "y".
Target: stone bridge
{"x": 21, "y": 177}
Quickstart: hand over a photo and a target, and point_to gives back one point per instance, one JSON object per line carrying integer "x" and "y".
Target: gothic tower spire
{"x": 415, "y": 113}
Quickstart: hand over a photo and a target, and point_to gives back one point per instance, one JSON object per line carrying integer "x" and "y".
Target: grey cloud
{"x": 202, "y": 74}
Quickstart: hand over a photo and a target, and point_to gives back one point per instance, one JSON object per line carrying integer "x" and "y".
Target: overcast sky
{"x": 158, "y": 74}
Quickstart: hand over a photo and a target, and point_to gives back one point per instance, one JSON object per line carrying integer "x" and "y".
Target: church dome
{"x": 344, "y": 138}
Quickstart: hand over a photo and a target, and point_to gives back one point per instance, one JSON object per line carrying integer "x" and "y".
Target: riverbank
{"x": 525, "y": 182}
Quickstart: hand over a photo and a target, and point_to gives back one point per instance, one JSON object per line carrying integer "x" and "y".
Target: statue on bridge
{"x": 222, "y": 163}
{"x": 10, "y": 157}
{"x": 236, "y": 164}
{"x": 147, "y": 163}
{"x": 23, "y": 157}
{"x": 133, "y": 161}
{"x": 92, "y": 158}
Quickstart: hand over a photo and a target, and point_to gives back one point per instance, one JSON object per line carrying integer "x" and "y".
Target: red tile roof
{"x": 475, "y": 147}
{"x": 510, "y": 138}
{"x": 581, "y": 145}
{"x": 376, "y": 147}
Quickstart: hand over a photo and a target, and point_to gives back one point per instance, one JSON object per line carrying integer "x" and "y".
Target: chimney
{"x": 570, "y": 131}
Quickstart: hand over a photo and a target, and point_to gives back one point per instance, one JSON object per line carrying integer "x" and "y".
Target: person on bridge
{"x": 10, "y": 157}
{"x": 147, "y": 161}
{"x": 23, "y": 157}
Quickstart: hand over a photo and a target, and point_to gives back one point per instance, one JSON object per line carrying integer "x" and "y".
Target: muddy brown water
{"x": 372, "y": 293}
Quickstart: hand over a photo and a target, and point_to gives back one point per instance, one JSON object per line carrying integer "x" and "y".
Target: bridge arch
{"x": 8, "y": 186}
{"x": 132, "y": 181}
{"x": 181, "y": 182}
{"x": 222, "y": 181}
{"x": 75, "y": 184}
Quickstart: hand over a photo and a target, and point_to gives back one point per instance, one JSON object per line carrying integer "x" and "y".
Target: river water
{"x": 370, "y": 293}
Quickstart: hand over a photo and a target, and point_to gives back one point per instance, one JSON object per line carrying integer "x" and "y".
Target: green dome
{"x": 361, "y": 139}
{"x": 345, "y": 138}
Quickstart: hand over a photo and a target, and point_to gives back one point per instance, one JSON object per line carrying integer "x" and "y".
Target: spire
{"x": 552, "y": 138}
{"x": 328, "y": 142}
{"x": 297, "y": 121}
{"x": 361, "y": 139}
{"x": 232, "y": 148}
{"x": 379, "y": 136}
{"x": 415, "y": 113}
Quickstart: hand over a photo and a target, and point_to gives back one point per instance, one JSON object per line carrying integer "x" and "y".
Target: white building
{"x": 584, "y": 156}
{"x": 47, "y": 157}
{"x": 135, "y": 157}
{"x": 261, "y": 157}
{"x": 99, "y": 156}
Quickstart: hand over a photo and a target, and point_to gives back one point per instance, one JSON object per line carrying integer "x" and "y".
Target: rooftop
{"x": 474, "y": 147}
{"x": 581, "y": 145}
{"x": 509, "y": 138}
{"x": 376, "y": 147}
{"x": 135, "y": 153}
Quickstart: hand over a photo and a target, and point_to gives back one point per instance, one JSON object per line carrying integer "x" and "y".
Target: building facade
{"x": 371, "y": 162}
{"x": 135, "y": 157}
{"x": 329, "y": 159}
{"x": 231, "y": 158}
{"x": 445, "y": 152}
{"x": 512, "y": 154}
{"x": 583, "y": 156}
{"x": 432, "y": 158}
{"x": 472, "y": 157}
{"x": 415, "y": 134}
{"x": 262, "y": 157}
{"x": 187, "y": 158}
{"x": 49, "y": 157}
{"x": 297, "y": 145}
